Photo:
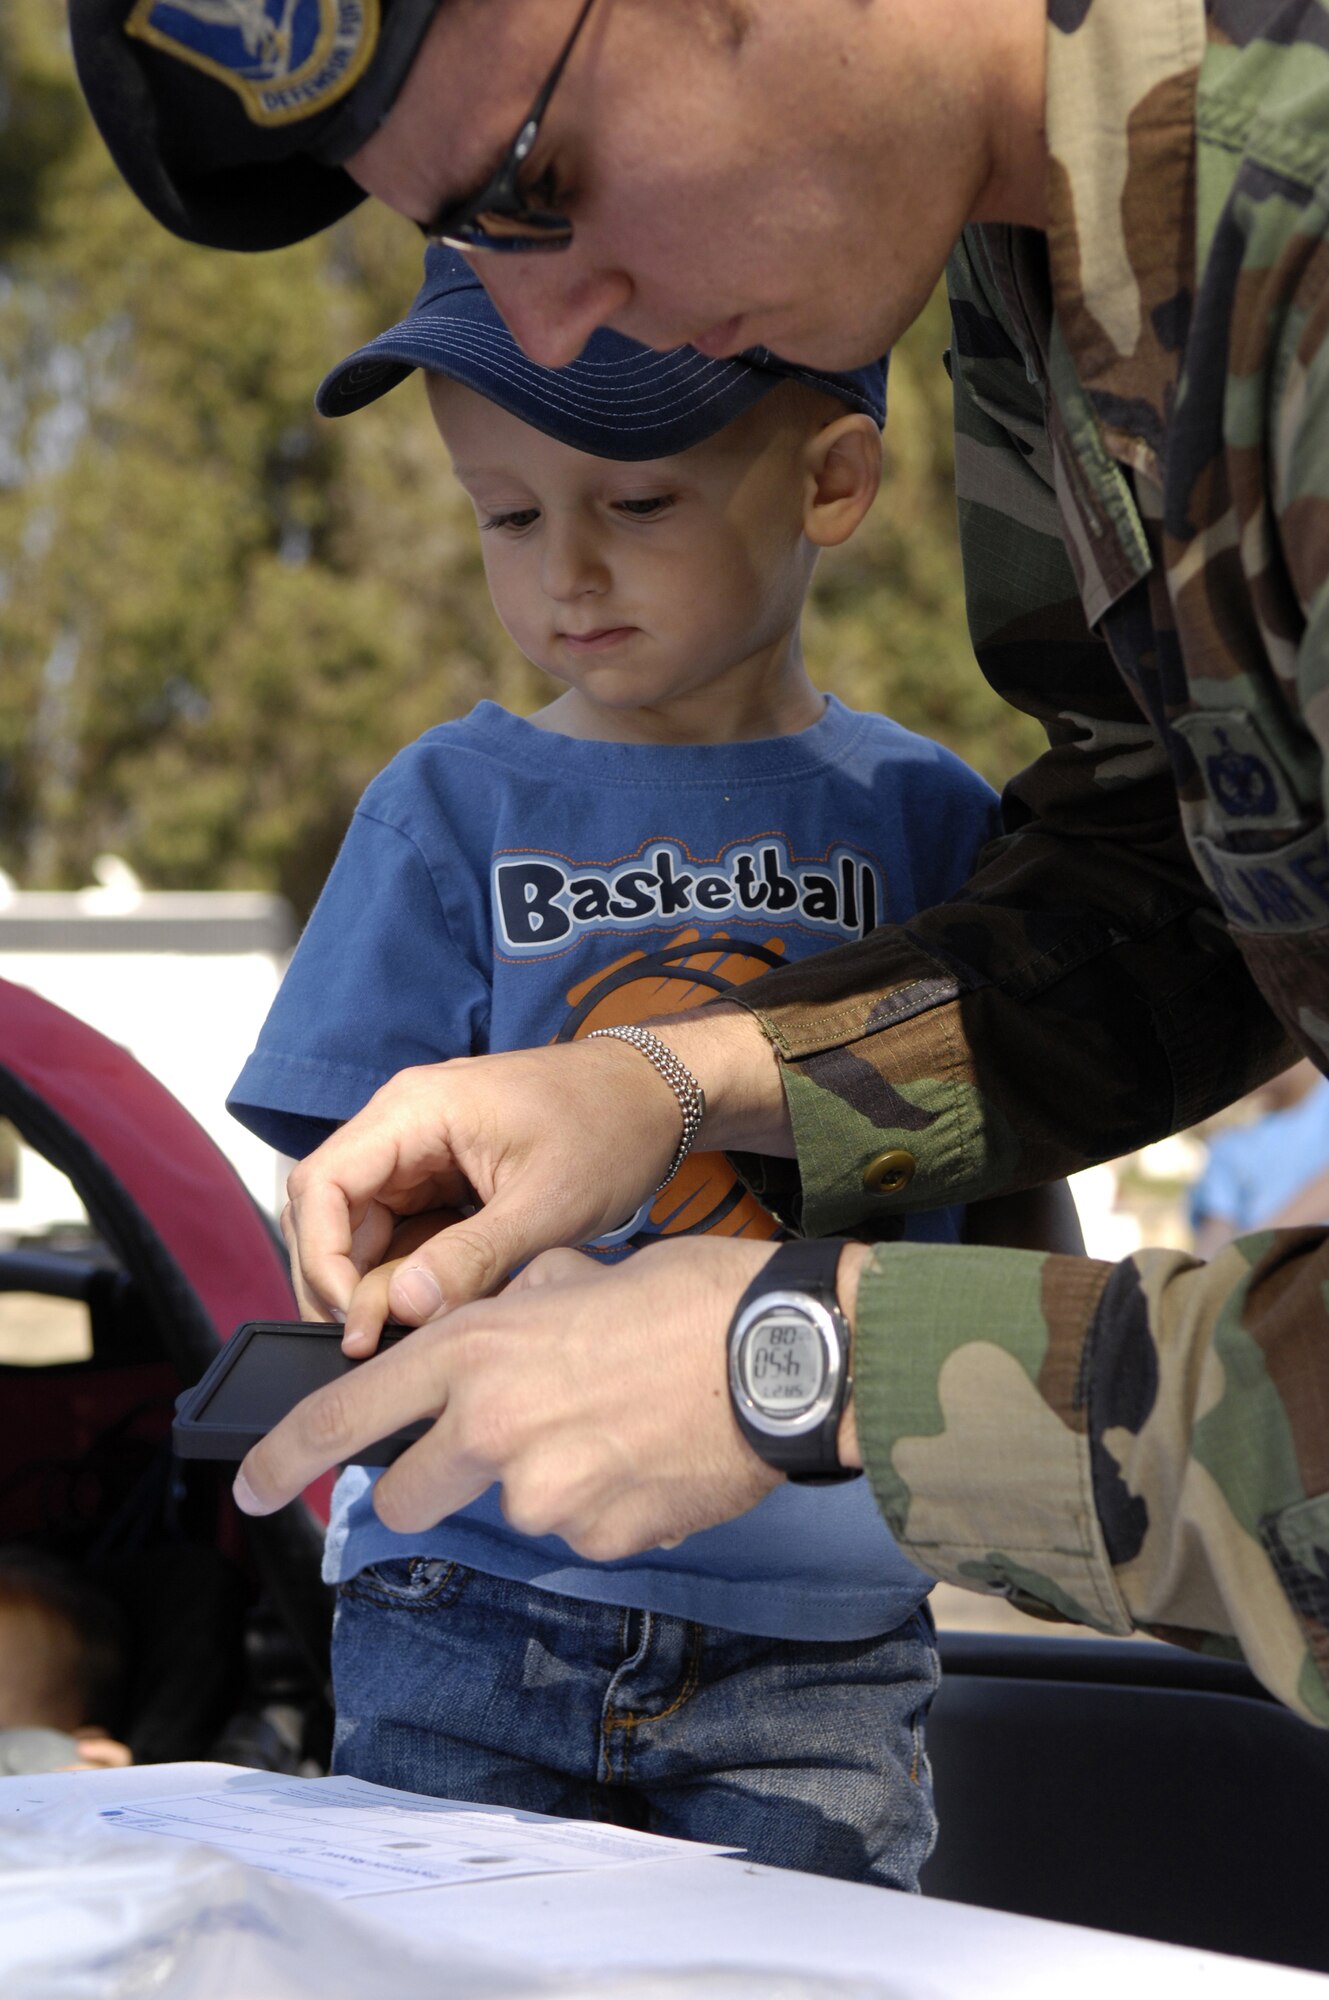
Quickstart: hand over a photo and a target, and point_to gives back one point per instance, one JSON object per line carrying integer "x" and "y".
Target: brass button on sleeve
{"x": 889, "y": 1172}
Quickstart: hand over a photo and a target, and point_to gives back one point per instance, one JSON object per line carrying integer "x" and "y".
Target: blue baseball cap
{"x": 616, "y": 400}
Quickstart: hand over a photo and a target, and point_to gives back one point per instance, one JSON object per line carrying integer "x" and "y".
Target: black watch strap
{"x": 803, "y": 1264}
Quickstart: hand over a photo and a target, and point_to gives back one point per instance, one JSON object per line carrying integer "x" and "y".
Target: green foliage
{"x": 219, "y": 614}
{"x": 40, "y": 115}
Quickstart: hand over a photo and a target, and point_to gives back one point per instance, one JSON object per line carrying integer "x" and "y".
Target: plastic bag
{"x": 87, "y": 1914}
{"x": 91, "y": 1915}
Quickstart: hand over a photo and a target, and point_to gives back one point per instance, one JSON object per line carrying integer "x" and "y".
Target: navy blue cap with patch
{"x": 616, "y": 400}
{"x": 230, "y": 118}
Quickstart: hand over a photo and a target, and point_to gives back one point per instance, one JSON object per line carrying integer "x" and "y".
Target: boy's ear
{"x": 844, "y": 468}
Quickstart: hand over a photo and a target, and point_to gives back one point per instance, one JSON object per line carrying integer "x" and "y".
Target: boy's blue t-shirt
{"x": 502, "y": 887}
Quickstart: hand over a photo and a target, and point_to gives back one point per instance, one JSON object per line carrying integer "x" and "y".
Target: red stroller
{"x": 226, "y": 1618}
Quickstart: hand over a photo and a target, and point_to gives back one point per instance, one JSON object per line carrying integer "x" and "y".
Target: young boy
{"x": 688, "y": 812}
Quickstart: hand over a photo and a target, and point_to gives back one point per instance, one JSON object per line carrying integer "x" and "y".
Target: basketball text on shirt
{"x": 543, "y": 901}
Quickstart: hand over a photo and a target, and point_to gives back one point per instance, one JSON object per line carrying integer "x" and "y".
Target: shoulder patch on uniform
{"x": 285, "y": 59}
{"x": 1248, "y": 789}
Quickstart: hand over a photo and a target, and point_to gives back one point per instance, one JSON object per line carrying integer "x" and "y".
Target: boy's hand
{"x": 368, "y": 1311}
{"x": 548, "y": 1147}
{"x": 597, "y": 1397}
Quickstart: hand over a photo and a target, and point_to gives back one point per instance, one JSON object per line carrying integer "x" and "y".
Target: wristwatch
{"x": 789, "y": 1363}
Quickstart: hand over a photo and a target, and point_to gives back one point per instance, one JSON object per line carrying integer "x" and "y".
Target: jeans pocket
{"x": 408, "y": 1583}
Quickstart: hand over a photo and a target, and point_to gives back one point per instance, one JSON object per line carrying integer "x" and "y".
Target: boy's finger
{"x": 368, "y": 1311}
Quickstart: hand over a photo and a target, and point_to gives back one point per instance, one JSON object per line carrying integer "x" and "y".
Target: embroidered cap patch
{"x": 286, "y": 59}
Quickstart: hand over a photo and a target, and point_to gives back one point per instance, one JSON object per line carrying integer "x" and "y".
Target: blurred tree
{"x": 40, "y": 116}
{"x": 219, "y": 615}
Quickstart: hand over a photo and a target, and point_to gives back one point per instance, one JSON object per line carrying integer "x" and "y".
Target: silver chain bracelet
{"x": 691, "y": 1097}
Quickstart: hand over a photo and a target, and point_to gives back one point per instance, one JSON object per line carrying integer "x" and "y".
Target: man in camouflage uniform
{"x": 1143, "y": 464}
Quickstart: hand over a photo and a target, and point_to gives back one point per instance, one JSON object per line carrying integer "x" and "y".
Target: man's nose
{"x": 550, "y": 306}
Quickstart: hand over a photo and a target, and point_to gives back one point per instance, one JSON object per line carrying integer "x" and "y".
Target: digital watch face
{"x": 782, "y": 1366}
{"x": 783, "y": 1363}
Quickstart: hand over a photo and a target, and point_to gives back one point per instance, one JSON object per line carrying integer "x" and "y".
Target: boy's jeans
{"x": 806, "y": 1754}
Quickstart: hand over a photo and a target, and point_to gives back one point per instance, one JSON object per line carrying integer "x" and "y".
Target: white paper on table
{"x": 350, "y": 1838}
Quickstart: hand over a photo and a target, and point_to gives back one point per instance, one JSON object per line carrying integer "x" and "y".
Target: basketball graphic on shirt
{"x": 705, "y": 1196}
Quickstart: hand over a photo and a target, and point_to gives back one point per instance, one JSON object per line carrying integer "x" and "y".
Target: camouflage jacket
{"x": 1142, "y": 419}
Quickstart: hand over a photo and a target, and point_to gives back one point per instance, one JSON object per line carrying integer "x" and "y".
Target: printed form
{"x": 350, "y": 1838}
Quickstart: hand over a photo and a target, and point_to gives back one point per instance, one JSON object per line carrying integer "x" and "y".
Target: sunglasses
{"x": 501, "y": 217}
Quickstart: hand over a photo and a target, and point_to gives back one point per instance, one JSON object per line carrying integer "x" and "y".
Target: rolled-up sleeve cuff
{"x": 847, "y": 1118}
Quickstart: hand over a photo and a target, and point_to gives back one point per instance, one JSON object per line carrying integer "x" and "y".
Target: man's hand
{"x": 597, "y": 1397}
{"x": 535, "y": 1149}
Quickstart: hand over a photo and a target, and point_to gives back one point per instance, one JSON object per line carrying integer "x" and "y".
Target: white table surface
{"x": 678, "y": 1912}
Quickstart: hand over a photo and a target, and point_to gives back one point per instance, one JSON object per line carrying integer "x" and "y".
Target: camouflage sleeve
{"x": 1144, "y": 1445}
{"x": 1082, "y": 996}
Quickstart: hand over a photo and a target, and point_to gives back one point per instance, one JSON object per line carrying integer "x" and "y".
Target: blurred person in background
{"x": 1272, "y": 1173}
{"x": 62, "y": 1669}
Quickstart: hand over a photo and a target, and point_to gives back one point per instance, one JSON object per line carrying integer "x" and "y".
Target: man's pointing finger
{"x": 403, "y": 1385}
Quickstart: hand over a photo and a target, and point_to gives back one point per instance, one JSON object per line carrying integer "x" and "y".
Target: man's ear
{"x": 844, "y": 472}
